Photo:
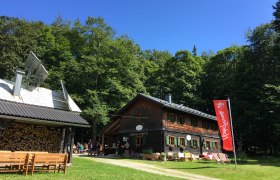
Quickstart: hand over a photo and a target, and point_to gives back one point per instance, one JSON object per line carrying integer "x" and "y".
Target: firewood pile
{"x": 27, "y": 137}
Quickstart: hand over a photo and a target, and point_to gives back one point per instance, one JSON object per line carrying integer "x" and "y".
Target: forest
{"x": 103, "y": 71}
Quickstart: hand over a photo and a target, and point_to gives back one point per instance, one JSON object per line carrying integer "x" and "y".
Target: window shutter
{"x": 179, "y": 141}
{"x": 175, "y": 141}
{"x": 144, "y": 140}
{"x": 186, "y": 142}
{"x": 192, "y": 143}
{"x": 211, "y": 145}
{"x": 167, "y": 140}
{"x": 198, "y": 143}
{"x": 204, "y": 144}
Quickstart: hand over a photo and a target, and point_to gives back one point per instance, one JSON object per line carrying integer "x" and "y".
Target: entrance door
{"x": 139, "y": 141}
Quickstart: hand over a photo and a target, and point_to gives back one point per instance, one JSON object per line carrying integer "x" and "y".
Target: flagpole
{"x": 232, "y": 131}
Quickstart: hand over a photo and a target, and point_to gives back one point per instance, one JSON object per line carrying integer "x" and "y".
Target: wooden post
{"x": 66, "y": 140}
{"x": 62, "y": 141}
{"x": 72, "y": 135}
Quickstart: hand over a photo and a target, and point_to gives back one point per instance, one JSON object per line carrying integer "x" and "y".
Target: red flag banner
{"x": 224, "y": 123}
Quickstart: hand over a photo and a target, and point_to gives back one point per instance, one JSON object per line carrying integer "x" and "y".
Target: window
{"x": 181, "y": 119}
{"x": 186, "y": 120}
{"x": 139, "y": 119}
{"x": 171, "y": 140}
{"x": 172, "y": 117}
{"x": 215, "y": 145}
{"x": 168, "y": 117}
{"x": 194, "y": 122}
{"x": 139, "y": 140}
{"x": 175, "y": 118}
{"x": 195, "y": 143}
{"x": 205, "y": 125}
{"x": 207, "y": 145}
{"x": 182, "y": 141}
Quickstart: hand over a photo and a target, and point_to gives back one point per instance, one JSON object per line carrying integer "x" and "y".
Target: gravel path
{"x": 151, "y": 169}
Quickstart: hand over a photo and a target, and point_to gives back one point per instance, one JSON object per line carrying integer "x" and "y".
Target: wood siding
{"x": 151, "y": 117}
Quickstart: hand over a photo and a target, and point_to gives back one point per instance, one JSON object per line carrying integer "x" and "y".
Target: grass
{"x": 88, "y": 169}
{"x": 261, "y": 168}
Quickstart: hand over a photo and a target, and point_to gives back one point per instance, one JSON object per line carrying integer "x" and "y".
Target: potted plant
{"x": 163, "y": 156}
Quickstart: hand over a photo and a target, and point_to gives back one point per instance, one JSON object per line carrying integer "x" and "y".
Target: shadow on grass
{"x": 204, "y": 167}
{"x": 261, "y": 161}
{"x": 104, "y": 157}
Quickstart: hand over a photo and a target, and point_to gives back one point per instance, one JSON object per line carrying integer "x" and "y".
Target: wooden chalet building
{"x": 36, "y": 118}
{"x": 149, "y": 122}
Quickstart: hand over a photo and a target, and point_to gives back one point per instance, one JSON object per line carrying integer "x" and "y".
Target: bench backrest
{"x": 32, "y": 152}
{"x": 13, "y": 157}
{"x": 5, "y": 151}
{"x": 50, "y": 158}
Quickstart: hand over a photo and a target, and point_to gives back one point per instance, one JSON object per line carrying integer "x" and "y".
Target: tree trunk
{"x": 93, "y": 133}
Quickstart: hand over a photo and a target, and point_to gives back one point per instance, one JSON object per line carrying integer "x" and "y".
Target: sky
{"x": 171, "y": 25}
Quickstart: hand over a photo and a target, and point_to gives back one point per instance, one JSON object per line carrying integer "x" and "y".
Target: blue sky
{"x": 171, "y": 25}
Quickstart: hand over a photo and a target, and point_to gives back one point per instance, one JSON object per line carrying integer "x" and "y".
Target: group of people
{"x": 93, "y": 147}
{"x": 80, "y": 148}
{"x": 123, "y": 148}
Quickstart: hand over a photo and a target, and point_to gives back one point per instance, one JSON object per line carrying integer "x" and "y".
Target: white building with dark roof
{"x": 36, "y": 118}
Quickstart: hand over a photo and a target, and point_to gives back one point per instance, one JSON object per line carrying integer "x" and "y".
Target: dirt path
{"x": 151, "y": 169}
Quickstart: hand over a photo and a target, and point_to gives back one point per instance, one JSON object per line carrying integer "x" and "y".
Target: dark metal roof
{"x": 180, "y": 107}
{"x": 9, "y": 108}
{"x": 167, "y": 105}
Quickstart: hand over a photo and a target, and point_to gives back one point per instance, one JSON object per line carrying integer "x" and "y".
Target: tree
{"x": 194, "y": 51}
{"x": 181, "y": 75}
{"x": 257, "y": 76}
{"x": 219, "y": 77}
{"x": 154, "y": 64}
{"x": 276, "y": 15}
{"x": 17, "y": 38}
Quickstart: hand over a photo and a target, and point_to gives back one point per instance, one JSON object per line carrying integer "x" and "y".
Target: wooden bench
{"x": 48, "y": 162}
{"x": 13, "y": 162}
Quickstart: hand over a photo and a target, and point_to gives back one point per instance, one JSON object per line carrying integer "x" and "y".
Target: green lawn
{"x": 262, "y": 168}
{"x": 88, "y": 169}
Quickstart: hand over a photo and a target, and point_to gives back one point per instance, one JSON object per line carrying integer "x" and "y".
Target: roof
{"x": 166, "y": 104}
{"x": 26, "y": 111}
{"x": 37, "y": 96}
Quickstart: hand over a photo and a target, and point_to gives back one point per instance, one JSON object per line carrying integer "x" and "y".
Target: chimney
{"x": 168, "y": 97}
{"x": 17, "y": 86}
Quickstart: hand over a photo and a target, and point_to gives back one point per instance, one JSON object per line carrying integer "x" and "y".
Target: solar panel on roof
{"x": 32, "y": 62}
{"x": 41, "y": 74}
{"x": 65, "y": 94}
{"x": 36, "y": 72}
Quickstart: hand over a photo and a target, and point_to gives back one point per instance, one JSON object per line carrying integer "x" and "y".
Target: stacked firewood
{"x": 28, "y": 137}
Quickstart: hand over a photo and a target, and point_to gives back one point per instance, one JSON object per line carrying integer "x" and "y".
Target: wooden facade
{"x": 150, "y": 123}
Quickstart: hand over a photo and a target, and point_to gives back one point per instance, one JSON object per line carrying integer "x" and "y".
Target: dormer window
{"x": 194, "y": 123}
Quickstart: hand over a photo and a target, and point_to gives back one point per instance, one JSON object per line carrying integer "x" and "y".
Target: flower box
{"x": 153, "y": 156}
